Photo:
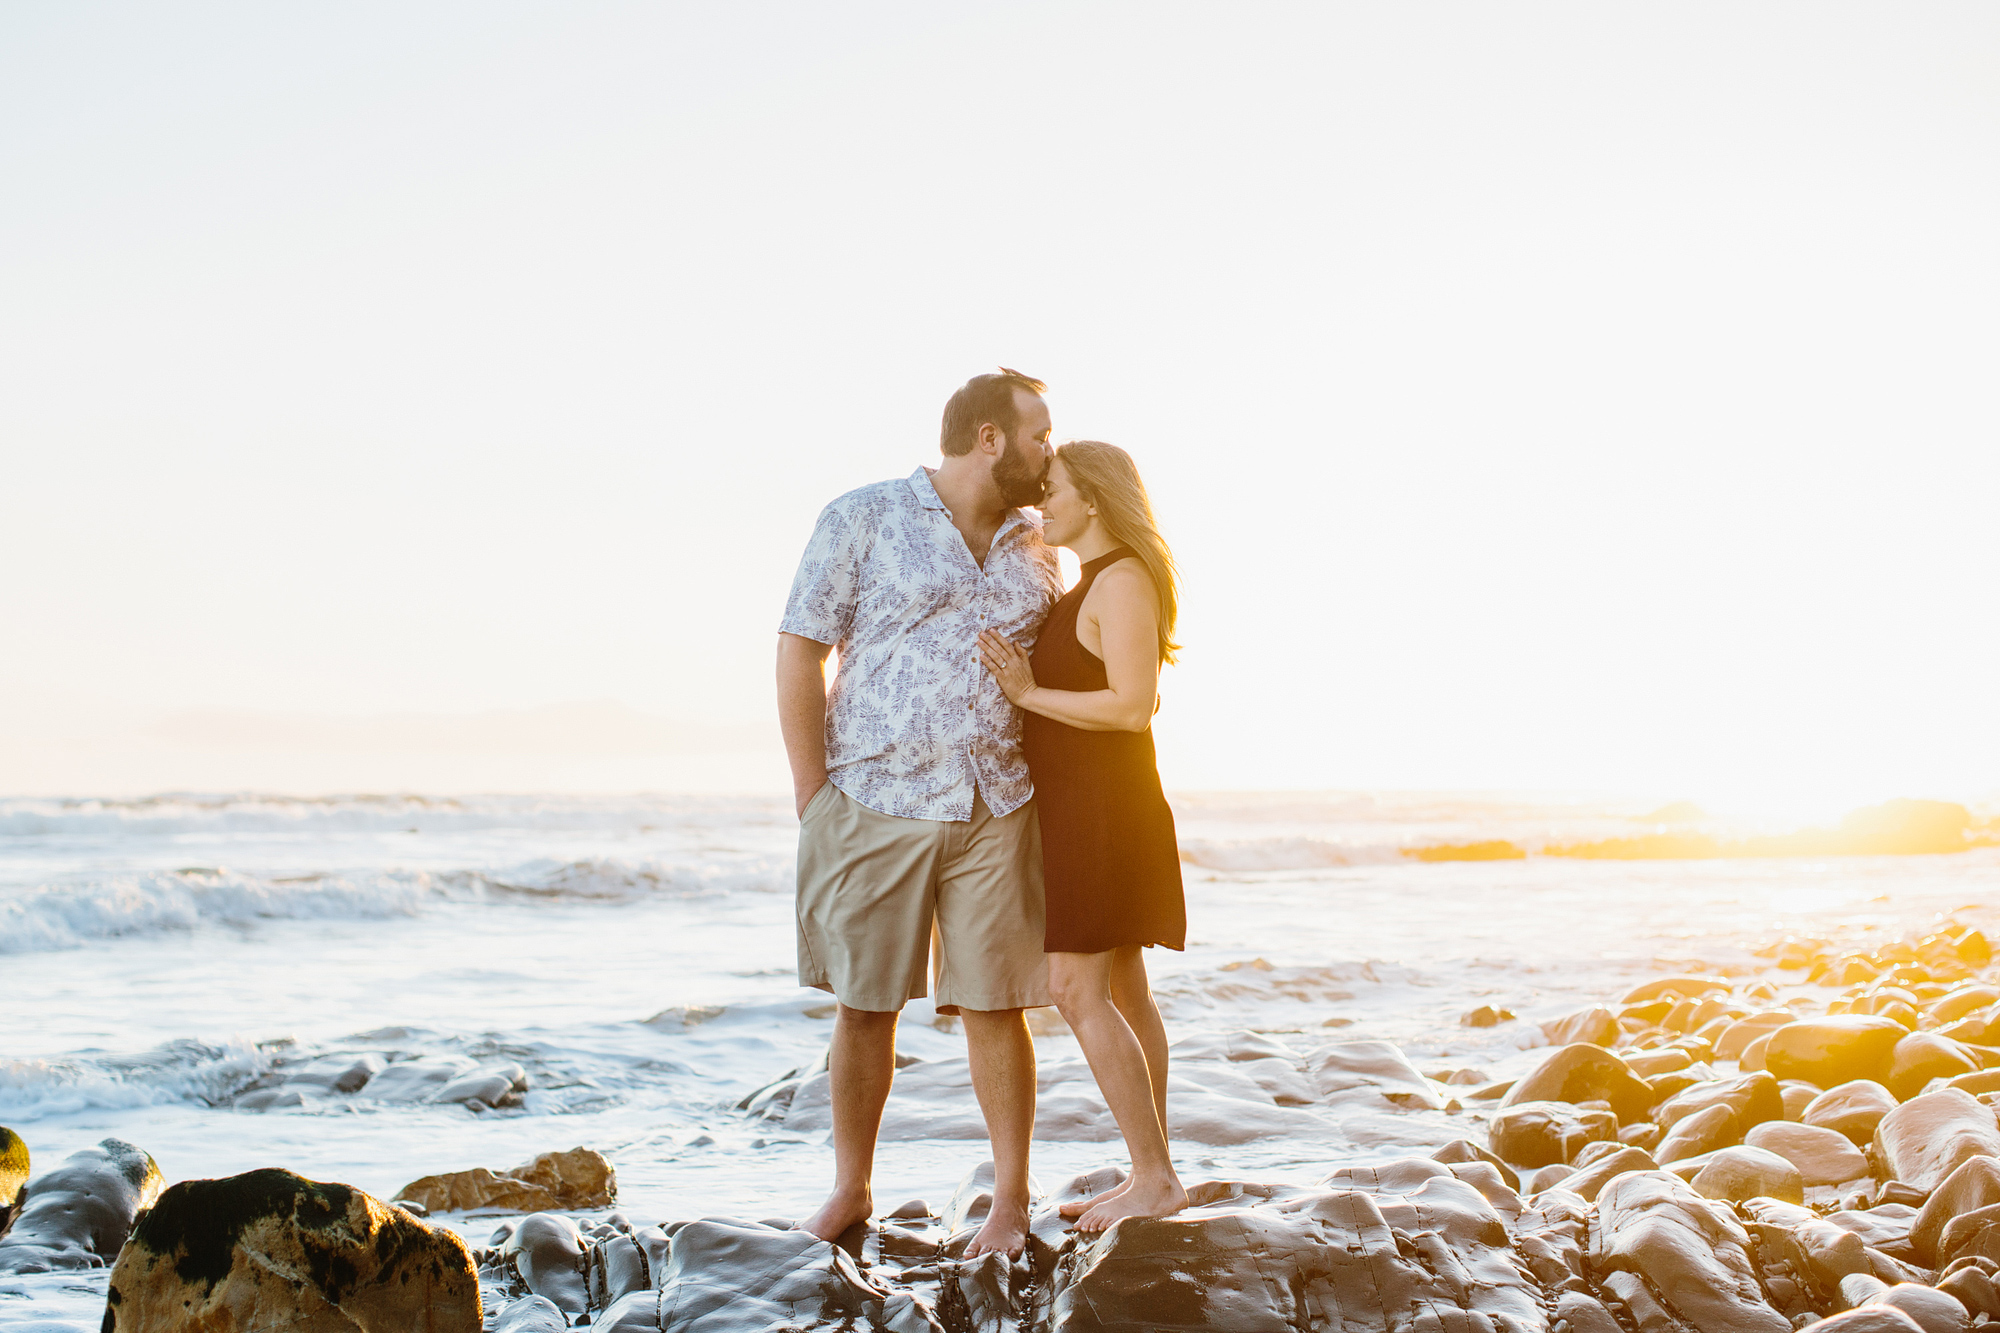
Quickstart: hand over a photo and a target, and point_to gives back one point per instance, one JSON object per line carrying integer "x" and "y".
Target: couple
{"x": 986, "y": 734}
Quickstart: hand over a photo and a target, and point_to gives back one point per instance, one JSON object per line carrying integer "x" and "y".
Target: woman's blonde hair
{"x": 1107, "y": 478}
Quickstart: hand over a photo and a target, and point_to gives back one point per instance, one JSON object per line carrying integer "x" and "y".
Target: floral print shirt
{"x": 915, "y": 725}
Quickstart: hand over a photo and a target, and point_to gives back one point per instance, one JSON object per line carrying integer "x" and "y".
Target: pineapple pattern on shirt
{"x": 915, "y": 725}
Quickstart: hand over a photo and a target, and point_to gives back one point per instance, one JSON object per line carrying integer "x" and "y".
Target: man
{"x": 916, "y": 819}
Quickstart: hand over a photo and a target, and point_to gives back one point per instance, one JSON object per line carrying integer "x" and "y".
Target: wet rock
{"x": 1869, "y": 1319}
{"x": 1546, "y": 1133}
{"x": 1934, "y": 1311}
{"x": 1834, "y": 1050}
{"x": 490, "y": 1086}
{"x": 1684, "y": 985}
{"x": 1736, "y": 1174}
{"x": 1651, "y": 1064}
{"x": 1677, "y": 1260}
{"x": 1702, "y": 1132}
{"x": 269, "y": 1249}
{"x": 78, "y": 1214}
{"x": 1923, "y": 1056}
{"x": 1753, "y": 1097}
{"x": 1465, "y": 1150}
{"x": 416, "y": 1081}
{"x": 1368, "y": 1073}
{"x": 579, "y": 1178}
{"x": 1928, "y": 1137}
{"x": 725, "y": 1276}
{"x": 1852, "y": 1108}
{"x": 13, "y": 1171}
{"x": 1591, "y": 1180}
{"x": 1739, "y": 1034}
{"x": 1974, "y": 1185}
{"x": 1822, "y": 1156}
{"x": 1585, "y": 1073}
{"x": 1485, "y": 1016}
{"x": 1798, "y": 1096}
{"x": 530, "y": 1314}
{"x": 546, "y": 1251}
{"x": 1645, "y": 1135}
{"x": 1974, "y": 1290}
{"x": 1597, "y": 1025}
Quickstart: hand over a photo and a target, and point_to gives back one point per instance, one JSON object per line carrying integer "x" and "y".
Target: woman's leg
{"x": 1133, "y": 994}
{"x": 1082, "y": 984}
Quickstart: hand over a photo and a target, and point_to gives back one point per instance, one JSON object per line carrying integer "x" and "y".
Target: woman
{"x": 1109, "y": 859}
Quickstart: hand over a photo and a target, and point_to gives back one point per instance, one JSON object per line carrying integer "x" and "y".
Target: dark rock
{"x": 79, "y": 1214}
{"x": 1676, "y": 1260}
{"x": 1852, "y": 1108}
{"x": 13, "y": 1171}
{"x": 269, "y": 1249}
{"x": 1544, "y": 1133}
{"x": 1974, "y": 1185}
{"x": 1928, "y": 1137}
{"x": 546, "y": 1251}
{"x": 579, "y": 1178}
{"x": 1834, "y": 1050}
{"x": 530, "y": 1314}
{"x": 1585, "y": 1073}
{"x": 1923, "y": 1056}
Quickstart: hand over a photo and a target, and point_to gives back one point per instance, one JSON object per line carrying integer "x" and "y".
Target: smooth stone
{"x": 79, "y": 1214}
{"x": 13, "y": 1171}
{"x": 1581, "y": 1072}
{"x": 1854, "y": 1108}
{"x": 1869, "y": 1319}
{"x": 546, "y": 1250}
{"x": 1684, "y": 985}
{"x": 530, "y": 1314}
{"x": 1834, "y": 1050}
{"x": 1703, "y": 1132}
{"x": 1589, "y": 1182}
{"x": 1928, "y": 1137}
{"x": 1965, "y": 1000}
{"x": 1753, "y": 1097}
{"x": 1923, "y": 1056}
{"x": 1934, "y": 1311}
{"x": 1974, "y": 1185}
{"x": 1597, "y": 1026}
{"x": 1736, "y": 1174}
{"x": 1971, "y": 1235}
{"x": 1797, "y": 1097}
{"x": 1822, "y": 1156}
{"x": 493, "y": 1085}
{"x": 578, "y": 1178}
{"x": 1465, "y": 1150}
{"x": 1548, "y": 1178}
{"x": 1985, "y": 1080}
{"x": 270, "y": 1249}
{"x": 1651, "y": 1064}
{"x": 1676, "y": 1259}
{"x": 1739, "y": 1034}
{"x": 1753, "y": 1057}
{"x": 1645, "y": 1135}
{"x": 1546, "y": 1133}
{"x": 1369, "y": 1072}
{"x": 1974, "y": 1290}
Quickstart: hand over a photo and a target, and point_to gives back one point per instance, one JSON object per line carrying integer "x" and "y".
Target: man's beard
{"x": 1019, "y": 480}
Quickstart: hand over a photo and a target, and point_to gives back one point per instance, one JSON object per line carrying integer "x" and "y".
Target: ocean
{"x": 626, "y": 964}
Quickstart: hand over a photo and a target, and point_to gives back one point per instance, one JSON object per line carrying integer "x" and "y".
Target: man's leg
{"x": 861, "y": 1065}
{"x": 1002, "y": 1056}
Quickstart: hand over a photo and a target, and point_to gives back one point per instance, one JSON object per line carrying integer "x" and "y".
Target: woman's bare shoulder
{"x": 1127, "y": 575}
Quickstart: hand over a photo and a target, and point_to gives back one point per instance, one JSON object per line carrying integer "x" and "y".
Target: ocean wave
{"x": 1247, "y": 855}
{"x": 619, "y": 880}
{"x": 178, "y": 1071}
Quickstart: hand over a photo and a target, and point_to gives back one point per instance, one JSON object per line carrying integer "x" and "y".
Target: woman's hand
{"x": 1009, "y": 666}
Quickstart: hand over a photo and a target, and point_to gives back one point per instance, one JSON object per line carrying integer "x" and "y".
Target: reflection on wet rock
{"x": 78, "y": 1214}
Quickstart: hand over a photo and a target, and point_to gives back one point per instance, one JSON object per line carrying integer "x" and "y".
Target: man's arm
{"x": 802, "y": 713}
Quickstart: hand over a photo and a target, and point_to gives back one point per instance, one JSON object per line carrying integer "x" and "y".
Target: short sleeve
{"x": 824, "y": 591}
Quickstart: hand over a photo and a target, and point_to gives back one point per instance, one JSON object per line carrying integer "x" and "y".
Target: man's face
{"x": 1023, "y": 466}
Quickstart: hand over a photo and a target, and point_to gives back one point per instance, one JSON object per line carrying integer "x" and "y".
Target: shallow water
{"x": 633, "y": 956}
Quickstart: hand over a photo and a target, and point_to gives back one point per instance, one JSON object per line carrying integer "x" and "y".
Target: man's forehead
{"x": 1034, "y": 413}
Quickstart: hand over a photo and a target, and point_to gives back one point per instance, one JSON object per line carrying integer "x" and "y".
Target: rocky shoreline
{"x": 1705, "y": 1153}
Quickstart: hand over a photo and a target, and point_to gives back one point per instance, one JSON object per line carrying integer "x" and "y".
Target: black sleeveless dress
{"x": 1109, "y": 859}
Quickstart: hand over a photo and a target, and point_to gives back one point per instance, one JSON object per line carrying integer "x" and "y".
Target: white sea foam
{"x": 1248, "y": 855}
{"x": 178, "y": 1071}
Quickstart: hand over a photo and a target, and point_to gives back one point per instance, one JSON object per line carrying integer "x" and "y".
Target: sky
{"x": 1540, "y": 396}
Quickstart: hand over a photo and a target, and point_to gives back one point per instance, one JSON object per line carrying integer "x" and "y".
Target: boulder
{"x": 1928, "y": 1137}
{"x": 546, "y": 1250}
{"x": 1974, "y": 1185}
{"x": 270, "y": 1249}
{"x": 1684, "y": 986}
{"x": 1703, "y": 1132}
{"x": 1934, "y": 1311}
{"x": 1736, "y": 1174}
{"x": 1546, "y": 1133}
{"x": 1465, "y": 1150}
{"x": 1965, "y": 1000}
{"x": 1753, "y": 1097}
{"x": 1869, "y": 1319}
{"x": 1852, "y": 1108}
{"x": 1743, "y": 1031}
{"x": 1923, "y": 1056}
{"x": 1834, "y": 1050}
{"x": 1585, "y": 1073}
{"x": 79, "y": 1214}
{"x": 13, "y": 1171}
{"x": 1370, "y": 1073}
{"x": 1651, "y": 1064}
{"x": 1822, "y": 1156}
{"x": 1974, "y": 1290}
{"x": 1591, "y": 1180}
{"x": 1798, "y": 1096}
{"x": 1597, "y": 1026}
{"x": 1677, "y": 1260}
{"x": 530, "y": 1314}
{"x": 579, "y": 1178}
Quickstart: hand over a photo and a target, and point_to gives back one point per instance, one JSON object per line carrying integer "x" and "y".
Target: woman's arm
{"x": 1122, "y": 605}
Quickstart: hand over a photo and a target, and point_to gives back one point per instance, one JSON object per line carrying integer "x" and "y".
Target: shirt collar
{"x": 920, "y": 486}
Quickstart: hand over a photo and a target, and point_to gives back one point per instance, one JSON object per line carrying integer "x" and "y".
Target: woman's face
{"x": 1065, "y": 514}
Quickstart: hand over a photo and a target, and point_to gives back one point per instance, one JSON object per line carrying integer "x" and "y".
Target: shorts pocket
{"x": 819, "y": 798}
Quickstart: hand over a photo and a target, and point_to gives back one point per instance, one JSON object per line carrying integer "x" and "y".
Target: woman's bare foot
{"x": 1005, "y": 1232}
{"x": 842, "y": 1210}
{"x": 1135, "y": 1200}
{"x": 1076, "y": 1208}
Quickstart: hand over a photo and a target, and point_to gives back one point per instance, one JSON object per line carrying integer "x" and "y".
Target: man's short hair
{"x": 981, "y": 399}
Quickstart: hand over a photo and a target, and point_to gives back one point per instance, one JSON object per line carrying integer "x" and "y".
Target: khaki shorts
{"x": 875, "y": 890}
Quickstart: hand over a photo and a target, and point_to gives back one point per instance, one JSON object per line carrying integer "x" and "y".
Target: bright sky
{"x": 1540, "y": 395}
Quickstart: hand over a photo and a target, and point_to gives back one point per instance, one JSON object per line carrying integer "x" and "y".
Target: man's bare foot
{"x": 841, "y": 1210}
{"x": 1134, "y": 1200}
{"x": 1005, "y": 1232}
{"x": 1076, "y": 1208}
